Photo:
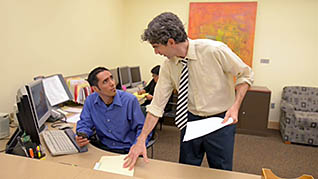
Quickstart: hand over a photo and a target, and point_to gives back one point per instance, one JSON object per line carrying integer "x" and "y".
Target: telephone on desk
{"x": 56, "y": 114}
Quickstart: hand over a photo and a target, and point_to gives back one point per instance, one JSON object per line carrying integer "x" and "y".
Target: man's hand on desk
{"x": 81, "y": 141}
{"x": 135, "y": 151}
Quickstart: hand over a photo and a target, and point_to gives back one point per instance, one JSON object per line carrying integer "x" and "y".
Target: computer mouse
{"x": 65, "y": 126}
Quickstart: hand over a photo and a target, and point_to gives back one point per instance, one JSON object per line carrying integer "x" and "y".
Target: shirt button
{"x": 108, "y": 120}
{"x": 109, "y": 130}
{"x": 113, "y": 143}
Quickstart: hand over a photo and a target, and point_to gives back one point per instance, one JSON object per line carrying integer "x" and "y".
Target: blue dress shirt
{"x": 117, "y": 125}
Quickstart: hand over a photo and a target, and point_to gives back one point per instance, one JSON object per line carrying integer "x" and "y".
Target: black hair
{"x": 163, "y": 27}
{"x": 92, "y": 77}
{"x": 155, "y": 70}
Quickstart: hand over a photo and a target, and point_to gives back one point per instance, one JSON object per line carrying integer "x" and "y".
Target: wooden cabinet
{"x": 254, "y": 111}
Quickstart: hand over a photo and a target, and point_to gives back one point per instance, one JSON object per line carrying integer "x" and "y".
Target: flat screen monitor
{"x": 135, "y": 76}
{"x": 39, "y": 103}
{"x": 124, "y": 76}
{"x": 27, "y": 123}
{"x": 114, "y": 72}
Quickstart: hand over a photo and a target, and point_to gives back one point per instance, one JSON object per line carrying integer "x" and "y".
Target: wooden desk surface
{"x": 57, "y": 167}
{"x": 21, "y": 167}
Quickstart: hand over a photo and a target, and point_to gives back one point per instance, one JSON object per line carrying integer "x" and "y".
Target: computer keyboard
{"x": 59, "y": 142}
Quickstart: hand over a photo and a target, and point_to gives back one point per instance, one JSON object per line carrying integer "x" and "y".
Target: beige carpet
{"x": 251, "y": 153}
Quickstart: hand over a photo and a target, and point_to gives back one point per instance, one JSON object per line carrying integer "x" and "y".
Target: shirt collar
{"x": 116, "y": 101}
{"x": 191, "y": 55}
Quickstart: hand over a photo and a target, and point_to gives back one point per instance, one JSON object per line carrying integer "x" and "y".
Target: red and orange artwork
{"x": 230, "y": 22}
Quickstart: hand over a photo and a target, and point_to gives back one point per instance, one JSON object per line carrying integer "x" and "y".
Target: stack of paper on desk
{"x": 72, "y": 109}
{"x": 113, "y": 164}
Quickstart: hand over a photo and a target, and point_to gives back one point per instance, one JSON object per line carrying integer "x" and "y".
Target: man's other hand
{"x": 81, "y": 141}
{"x": 138, "y": 149}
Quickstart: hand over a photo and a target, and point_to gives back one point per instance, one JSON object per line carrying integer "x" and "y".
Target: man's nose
{"x": 112, "y": 82}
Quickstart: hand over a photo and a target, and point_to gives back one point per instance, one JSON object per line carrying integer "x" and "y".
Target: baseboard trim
{"x": 273, "y": 125}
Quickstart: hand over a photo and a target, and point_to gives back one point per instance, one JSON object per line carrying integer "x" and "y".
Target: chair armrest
{"x": 287, "y": 107}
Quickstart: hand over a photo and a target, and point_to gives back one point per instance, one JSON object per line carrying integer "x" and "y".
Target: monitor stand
{"x": 43, "y": 128}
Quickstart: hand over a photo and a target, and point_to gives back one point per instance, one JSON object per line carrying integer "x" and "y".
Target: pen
{"x": 31, "y": 152}
{"x": 38, "y": 151}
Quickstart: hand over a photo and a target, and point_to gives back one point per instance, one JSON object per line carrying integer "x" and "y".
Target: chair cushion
{"x": 306, "y": 119}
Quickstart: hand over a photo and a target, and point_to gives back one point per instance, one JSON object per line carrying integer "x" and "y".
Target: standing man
{"x": 211, "y": 68}
{"x": 114, "y": 114}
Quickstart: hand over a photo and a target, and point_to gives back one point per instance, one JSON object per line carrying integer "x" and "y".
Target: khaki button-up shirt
{"x": 212, "y": 67}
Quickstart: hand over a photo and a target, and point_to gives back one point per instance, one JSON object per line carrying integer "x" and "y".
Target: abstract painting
{"x": 232, "y": 23}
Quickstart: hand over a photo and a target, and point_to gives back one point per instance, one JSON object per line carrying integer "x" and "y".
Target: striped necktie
{"x": 182, "y": 104}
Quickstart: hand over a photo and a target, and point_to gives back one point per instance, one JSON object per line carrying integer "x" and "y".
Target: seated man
{"x": 150, "y": 88}
{"x": 114, "y": 114}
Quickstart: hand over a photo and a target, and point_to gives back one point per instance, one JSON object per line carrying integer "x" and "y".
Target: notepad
{"x": 113, "y": 164}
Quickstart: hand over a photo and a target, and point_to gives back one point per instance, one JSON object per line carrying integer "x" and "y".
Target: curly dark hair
{"x": 164, "y": 26}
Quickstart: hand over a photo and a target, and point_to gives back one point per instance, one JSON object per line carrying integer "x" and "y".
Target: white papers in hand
{"x": 54, "y": 90}
{"x": 113, "y": 164}
{"x": 202, "y": 127}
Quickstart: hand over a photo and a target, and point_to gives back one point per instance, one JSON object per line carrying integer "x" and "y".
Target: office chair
{"x": 152, "y": 141}
{"x": 94, "y": 140}
{"x": 170, "y": 109}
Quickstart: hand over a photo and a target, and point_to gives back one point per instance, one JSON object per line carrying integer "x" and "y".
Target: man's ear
{"x": 171, "y": 42}
{"x": 95, "y": 89}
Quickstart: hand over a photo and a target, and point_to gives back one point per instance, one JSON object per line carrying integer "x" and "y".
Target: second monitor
{"x": 129, "y": 76}
{"x": 124, "y": 76}
{"x": 135, "y": 76}
{"x": 39, "y": 103}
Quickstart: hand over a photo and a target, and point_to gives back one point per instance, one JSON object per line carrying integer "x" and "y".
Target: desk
{"x": 54, "y": 167}
{"x": 22, "y": 167}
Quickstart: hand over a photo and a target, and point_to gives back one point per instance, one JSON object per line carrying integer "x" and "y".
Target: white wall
{"x": 286, "y": 33}
{"x": 47, "y": 37}
{"x": 73, "y": 36}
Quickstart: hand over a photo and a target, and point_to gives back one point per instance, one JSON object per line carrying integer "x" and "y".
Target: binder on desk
{"x": 79, "y": 89}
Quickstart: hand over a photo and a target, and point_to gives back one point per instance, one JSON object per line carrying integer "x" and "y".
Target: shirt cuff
{"x": 240, "y": 81}
{"x": 154, "y": 110}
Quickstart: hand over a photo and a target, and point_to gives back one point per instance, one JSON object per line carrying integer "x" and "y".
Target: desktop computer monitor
{"x": 135, "y": 76}
{"x": 124, "y": 76}
{"x": 114, "y": 72}
{"x": 39, "y": 103}
{"x": 27, "y": 123}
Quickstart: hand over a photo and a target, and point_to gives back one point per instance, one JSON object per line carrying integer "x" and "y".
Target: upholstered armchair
{"x": 299, "y": 115}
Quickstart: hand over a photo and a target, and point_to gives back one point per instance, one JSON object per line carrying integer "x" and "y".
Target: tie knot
{"x": 184, "y": 61}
